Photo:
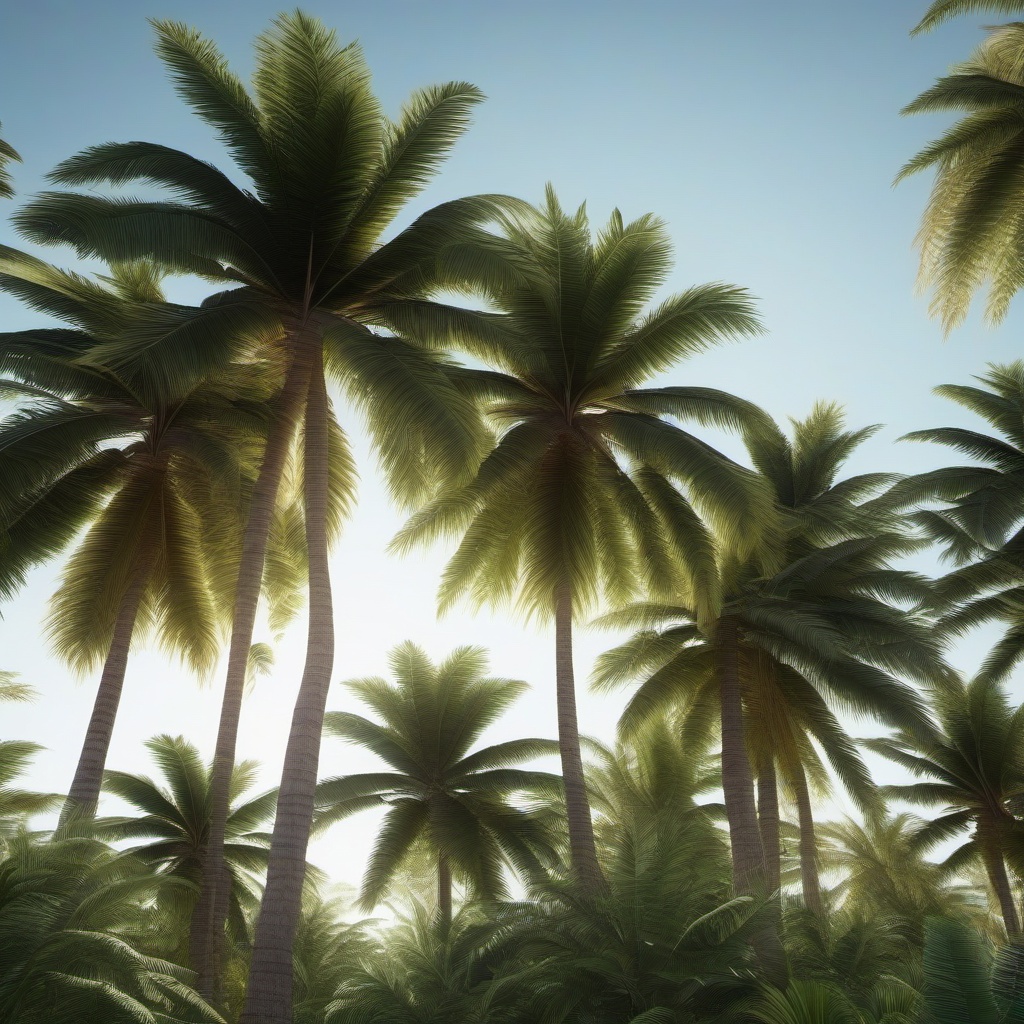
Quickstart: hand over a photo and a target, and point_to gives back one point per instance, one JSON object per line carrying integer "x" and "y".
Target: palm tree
{"x": 554, "y": 517}
{"x": 168, "y": 462}
{"x": 439, "y": 791}
{"x": 885, "y": 875}
{"x": 298, "y": 250}
{"x": 970, "y": 233}
{"x": 980, "y": 521}
{"x": 70, "y": 912}
{"x": 971, "y": 764}
{"x": 170, "y": 835}
{"x": 419, "y": 973}
{"x": 768, "y": 650}
{"x": 7, "y": 154}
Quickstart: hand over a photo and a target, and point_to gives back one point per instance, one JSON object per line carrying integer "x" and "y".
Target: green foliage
{"x": 70, "y": 912}
{"x": 968, "y": 236}
{"x": 471, "y": 807}
{"x": 7, "y": 155}
{"x": 170, "y": 834}
{"x": 559, "y": 500}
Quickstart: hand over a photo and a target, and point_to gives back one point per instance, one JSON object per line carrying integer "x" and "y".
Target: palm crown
{"x": 460, "y": 801}
{"x": 971, "y": 764}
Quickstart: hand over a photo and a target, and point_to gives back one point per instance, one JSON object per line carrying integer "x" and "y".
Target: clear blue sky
{"x": 766, "y": 135}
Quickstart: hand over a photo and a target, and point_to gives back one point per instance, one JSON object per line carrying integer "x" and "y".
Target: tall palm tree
{"x": 298, "y": 249}
{"x": 170, "y": 835}
{"x": 970, "y": 232}
{"x": 970, "y": 764}
{"x": 169, "y": 462}
{"x": 8, "y": 154}
{"x": 770, "y": 650}
{"x": 438, "y": 789}
{"x": 554, "y": 517}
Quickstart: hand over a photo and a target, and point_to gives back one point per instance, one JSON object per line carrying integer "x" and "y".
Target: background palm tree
{"x": 298, "y": 250}
{"x": 169, "y": 836}
{"x": 164, "y": 459}
{"x": 971, "y": 764}
{"x": 769, "y": 641}
{"x": 461, "y": 802}
{"x": 554, "y": 517}
{"x": 980, "y": 519}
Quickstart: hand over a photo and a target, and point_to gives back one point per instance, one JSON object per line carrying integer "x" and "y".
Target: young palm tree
{"x": 439, "y": 791}
{"x": 8, "y": 154}
{"x": 168, "y": 462}
{"x": 329, "y": 953}
{"x": 170, "y": 836}
{"x": 298, "y": 250}
{"x": 884, "y": 874}
{"x": 70, "y": 911}
{"x": 419, "y": 973}
{"x": 554, "y": 517}
{"x": 969, "y": 233}
{"x": 971, "y": 764}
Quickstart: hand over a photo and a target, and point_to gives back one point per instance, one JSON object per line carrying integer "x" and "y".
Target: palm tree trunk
{"x": 444, "y": 893}
{"x": 808, "y": 844}
{"x": 211, "y": 911}
{"x": 582, "y": 848}
{"x": 84, "y": 794}
{"x": 737, "y": 777}
{"x": 748, "y": 862}
{"x": 269, "y": 996}
{"x": 768, "y": 821}
{"x": 991, "y": 848}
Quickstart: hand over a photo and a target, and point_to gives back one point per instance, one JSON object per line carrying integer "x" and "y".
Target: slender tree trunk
{"x": 748, "y": 864}
{"x": 768, "y": 821}
{"x": 992, "y": 852}
{"x": 84, "y": 794}
{"x": 269, "y": 996}
{"x": 581, "y": 826}
{"x": 211, "y": 911}
{"x": 808, "y": 845}
{"x": 444, "y": 893}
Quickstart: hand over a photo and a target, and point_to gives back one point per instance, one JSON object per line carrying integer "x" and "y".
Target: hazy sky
{"x": 766, "y": 135}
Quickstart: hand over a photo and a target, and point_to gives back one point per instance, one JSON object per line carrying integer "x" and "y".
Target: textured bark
{"x": 84, "y": 793}
{"x": 991, "y": 849}
{"x": 737, "y": 777}
{"x": 444, "y": 893}
{"x": 269, "y": 996}
{"x": 768, "y": 821}
{"x": 808, "y": 845}
{"x": 748, "y": 862}
{"x": 208, "y": 920}
{"x": 582, "y": 848}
